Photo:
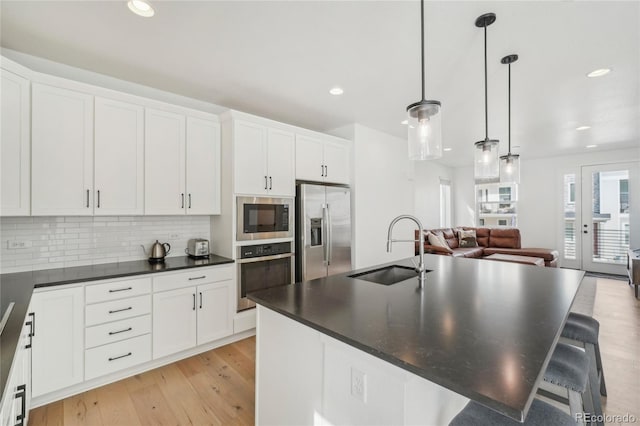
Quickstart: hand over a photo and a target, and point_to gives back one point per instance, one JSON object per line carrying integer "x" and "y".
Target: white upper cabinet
{"x": 281, "y": 162}
{"x": 264, "y": 160}
{"x": 164, "y": 163}
{"x": 62, "y": 152}
{"x": 203, "y": 167}
{"x": 119, "y": 158}
{"x": 182, "y": 164}
{"x": 15, "y": 173}
{"x": 322, "y": 159}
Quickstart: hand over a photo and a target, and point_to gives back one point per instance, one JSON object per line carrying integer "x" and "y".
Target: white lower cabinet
{"x": 192, "y": 315}
{"x": 14, "y": 409}
{"x": 58, "y": 348}
{"x": 86, "y": 331}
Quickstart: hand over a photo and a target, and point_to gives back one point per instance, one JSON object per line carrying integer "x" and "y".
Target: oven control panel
{"x": 262, "y": 250}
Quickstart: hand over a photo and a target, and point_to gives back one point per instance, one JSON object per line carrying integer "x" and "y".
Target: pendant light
{"x": 425, "y": 136}
{"x": 486, "y": 155}
{"x": 510, "y": 163}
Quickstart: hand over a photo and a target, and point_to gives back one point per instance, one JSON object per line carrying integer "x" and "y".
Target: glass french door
{"x": 602, "y": 223}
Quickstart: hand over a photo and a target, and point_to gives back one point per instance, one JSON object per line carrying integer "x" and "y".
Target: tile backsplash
{"x": 33, "y": 243}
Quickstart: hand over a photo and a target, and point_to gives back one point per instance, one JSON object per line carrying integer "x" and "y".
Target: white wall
{"x": 61, "y": 242}
{"x": 540, "y": 195}
{"x": 385, "y": 185}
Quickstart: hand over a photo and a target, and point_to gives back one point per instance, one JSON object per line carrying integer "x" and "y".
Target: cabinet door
{"x": 164, "y": 163}
{"x": 119, "y": 158}
{"x": 281, "y": 163}
{"x": 309, "y": 159}
{"x": 250, "y": 157}
{"x": 58, "y": 348}
{"x": 215, "y": 311}
{"x": 15, "y": 130}
{"x": 336, "y": 160}
{"x": 174, "y": 321}
{"x": 62, "y": 152}
{"x": 203, "y": 167}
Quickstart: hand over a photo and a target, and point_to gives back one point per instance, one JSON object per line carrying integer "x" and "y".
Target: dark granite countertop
{"x": 483, "y": 329}
{"x": 18, "y": 288}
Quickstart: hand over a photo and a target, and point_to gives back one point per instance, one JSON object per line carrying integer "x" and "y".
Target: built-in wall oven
{"x": 262, "y": 266}
{"x": 264, "y": 218}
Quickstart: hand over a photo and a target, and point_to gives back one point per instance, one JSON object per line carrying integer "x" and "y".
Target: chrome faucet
{"x": 420, "y": 269}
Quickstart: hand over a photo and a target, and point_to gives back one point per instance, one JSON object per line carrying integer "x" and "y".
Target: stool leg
{"x": 575, "y": 405}
{"x": 593, "y": 385}
{"x": 603, "y": 387}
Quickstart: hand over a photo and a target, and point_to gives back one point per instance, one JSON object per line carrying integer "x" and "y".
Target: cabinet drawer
{"x": 117, "y": 290}
{"x": 116, "y": 356}
{"x": 117, "y": 310}
{"x": 193, "y": 277}
{"x": 116, "y": 331}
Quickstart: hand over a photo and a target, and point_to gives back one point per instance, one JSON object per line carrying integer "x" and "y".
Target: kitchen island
{"x": 342, "y": 349}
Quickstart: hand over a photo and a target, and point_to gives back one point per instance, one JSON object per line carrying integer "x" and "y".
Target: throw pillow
{"x": 467, "y": 238}
{"x": 437, "y": 240}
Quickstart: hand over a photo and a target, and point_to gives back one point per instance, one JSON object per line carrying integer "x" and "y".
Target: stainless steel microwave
{"x": 261, "y": 218}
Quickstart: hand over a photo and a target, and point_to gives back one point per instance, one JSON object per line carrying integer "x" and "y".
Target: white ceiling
{"x": 279, "y": 59}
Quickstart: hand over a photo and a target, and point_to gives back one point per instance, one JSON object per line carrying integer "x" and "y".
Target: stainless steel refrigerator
{"x": 323, "y": 230}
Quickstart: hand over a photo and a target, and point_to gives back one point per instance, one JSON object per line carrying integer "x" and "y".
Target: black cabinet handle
{"x": 326, "y": 170}
{"x": 197, "y": 278}
{"x": 98, "y": 198}
{"x": 33, "y": 323}
{"x": 189, "y": 200}
{"x": 194, "y": 301}
{"x": 321, "y": 170}
{"x": 87, "y": 198}
{"x": 270, "y": 182}
{"x": 121, "y": 356}
{"x": 111, "y": 333}
{"x": 121, "y": 310}
{"x": 265, "y": 182}
{"x": 22, "y": 394}
{"x": 182, "y": 195}
{"x": 200, "y": 300}
{"x": 119, "y": 289}
{"x": 28, "y": 345}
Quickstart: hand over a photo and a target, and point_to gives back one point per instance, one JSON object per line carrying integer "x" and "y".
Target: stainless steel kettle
{"x": 157, "y": 252}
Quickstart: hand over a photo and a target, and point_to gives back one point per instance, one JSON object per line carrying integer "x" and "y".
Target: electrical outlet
{"x": 174, "y": 236}
{"x": 358, "y": 384}
{"x": 18, "y": 244}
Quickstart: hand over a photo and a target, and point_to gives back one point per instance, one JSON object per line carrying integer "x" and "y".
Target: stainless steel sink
{"x": 388, "y": 275}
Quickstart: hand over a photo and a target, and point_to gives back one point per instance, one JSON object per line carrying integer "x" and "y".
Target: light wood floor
{"x": 217, "y": 387}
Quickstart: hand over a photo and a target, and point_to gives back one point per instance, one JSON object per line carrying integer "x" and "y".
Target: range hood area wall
{"x": 59, "y": 242}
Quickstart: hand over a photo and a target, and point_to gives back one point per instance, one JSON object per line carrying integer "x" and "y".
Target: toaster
{"x": 198, "y": 247}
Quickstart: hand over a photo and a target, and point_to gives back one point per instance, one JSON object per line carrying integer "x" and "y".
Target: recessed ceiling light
{"x": 336, "y": 91}
{"x": 447, "y": 149}
{"x": 583, "y": 128}
{"x": 591, "y": 146}
{"x": 599, "y": 72}
{"x": 404, "y": 122}
{"x": 141, "y": 7}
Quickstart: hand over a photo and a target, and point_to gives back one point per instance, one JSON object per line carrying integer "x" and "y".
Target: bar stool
{"x": 540, "y": 414}
{"x": 582, "y": 330}
{"x": 569, "y": 369}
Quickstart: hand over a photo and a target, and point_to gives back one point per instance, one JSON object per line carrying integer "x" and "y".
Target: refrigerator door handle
{"x": 325, "y": 232}
{"x": 329, "y": 236}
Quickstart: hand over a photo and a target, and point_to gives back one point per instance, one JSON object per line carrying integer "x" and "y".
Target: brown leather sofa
{"x": 490, "y": 241}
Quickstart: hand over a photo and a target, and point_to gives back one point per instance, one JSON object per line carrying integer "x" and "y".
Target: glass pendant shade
{"x": 486, "y": 162}
{"x": 510, "y": 168}
{"x": 425, "y": 134}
